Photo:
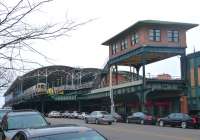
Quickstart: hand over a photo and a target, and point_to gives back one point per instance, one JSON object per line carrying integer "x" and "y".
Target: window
{"x": 154, "y": 35}
{"x": 179, "y": 116}
{"x": 124, "y": 44}
{"x": 114, "y": 48}
{"x": 134, "y": 38}
{"x": 26, "y": 121}
{"x": 173, "y": 115}
{"x": 173, "y": 36}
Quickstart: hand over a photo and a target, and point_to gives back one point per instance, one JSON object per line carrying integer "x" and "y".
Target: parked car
{"x": 3, "y": 112}
{"x": 178, "y": 119}
{"x": 65, "y": 114}
{"x": 197, "y": 119}
{"x": 99, "y": 117}
{"x": 14, "y": 121}
{"x": 54, "y": 114}
{"x": 74, "y": 114}
{"x": 141, "y": 118}
{"x": 117, "y": 117}
{"x": 58, "y": 133}
{"x": 82, "y": 115}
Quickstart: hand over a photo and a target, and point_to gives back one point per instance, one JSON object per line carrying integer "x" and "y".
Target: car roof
{"x": 53, "y": 130}
{"x": 20, "y": 113}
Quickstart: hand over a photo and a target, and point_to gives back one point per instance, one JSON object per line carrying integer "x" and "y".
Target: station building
{"x": 143, "y": 43}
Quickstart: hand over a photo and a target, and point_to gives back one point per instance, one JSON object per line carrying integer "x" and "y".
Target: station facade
{"x": 143, "y": 43}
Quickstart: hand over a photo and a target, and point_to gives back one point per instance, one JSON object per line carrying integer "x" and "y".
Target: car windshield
{"x": 88, "y": 135}
{"x": 26, "y": 121}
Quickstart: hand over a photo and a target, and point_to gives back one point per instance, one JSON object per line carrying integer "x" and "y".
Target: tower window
{"x": 134, "y": 38}
{"x": 114, "y": 48}
{"x": 173, "y": 36}
{"x": 124, "y": 44}
{"x": 154, "y": 35}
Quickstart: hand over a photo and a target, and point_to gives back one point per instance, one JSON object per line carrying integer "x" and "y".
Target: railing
{"x": 127, "y": 84}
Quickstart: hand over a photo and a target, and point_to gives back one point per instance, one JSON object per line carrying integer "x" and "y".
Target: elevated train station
{"x": 143, "y": 43}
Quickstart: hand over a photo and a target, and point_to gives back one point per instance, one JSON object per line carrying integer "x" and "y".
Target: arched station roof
{"x": 48, "y": 74}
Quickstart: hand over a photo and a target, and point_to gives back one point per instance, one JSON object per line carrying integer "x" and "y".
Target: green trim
{"x": 147, "y": 49}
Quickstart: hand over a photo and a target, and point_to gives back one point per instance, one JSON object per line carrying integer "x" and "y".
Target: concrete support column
{"x": 183, "y": 104}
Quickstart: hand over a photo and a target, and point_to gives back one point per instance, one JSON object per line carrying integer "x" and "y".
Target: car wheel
{"x": 161, "y": 123}
{"x": 127, "y": 121}
{"x": 109, "y": 123}
{"x": 97, "y": 121}
{"x": 142, "y": 122}
{"x": 183, "y": 125}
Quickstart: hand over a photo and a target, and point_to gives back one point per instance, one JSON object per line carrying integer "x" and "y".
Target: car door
{"x": 178, "y": 119}
{"x": 135, "y": 117}
{"x": 140, "y": 116}
{"x": 172, "y": 119}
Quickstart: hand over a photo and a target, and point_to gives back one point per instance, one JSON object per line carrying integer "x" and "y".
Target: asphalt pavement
{"x": 123, "y": 131}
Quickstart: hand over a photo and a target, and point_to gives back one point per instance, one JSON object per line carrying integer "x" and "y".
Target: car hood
{"x": 54, "y": 130}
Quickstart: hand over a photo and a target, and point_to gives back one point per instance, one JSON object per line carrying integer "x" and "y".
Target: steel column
{"x": 112, "y": 106}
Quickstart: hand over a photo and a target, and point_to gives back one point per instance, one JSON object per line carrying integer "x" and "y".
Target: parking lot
{"x": 123, "y": 131}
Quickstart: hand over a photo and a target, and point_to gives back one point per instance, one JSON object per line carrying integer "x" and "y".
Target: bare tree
{"x": 16, "y": 33}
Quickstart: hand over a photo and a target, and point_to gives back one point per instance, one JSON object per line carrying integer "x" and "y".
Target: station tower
{"x": 146, "y": 42}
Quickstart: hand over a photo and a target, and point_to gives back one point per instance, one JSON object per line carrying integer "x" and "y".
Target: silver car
{"x": 99, "y": 117}
{"x": 58, "y": 133}
{"x": 15, "y": 121}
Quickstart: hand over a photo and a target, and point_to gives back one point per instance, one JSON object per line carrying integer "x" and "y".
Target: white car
{"x": 83, "y": 115}
{"x": 74, "y": 114}
{"x": 54, "y": 114}
{"x": 65, "y": 114}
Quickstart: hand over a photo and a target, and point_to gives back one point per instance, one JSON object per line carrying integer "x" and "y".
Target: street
{"x": 123, "y": 131}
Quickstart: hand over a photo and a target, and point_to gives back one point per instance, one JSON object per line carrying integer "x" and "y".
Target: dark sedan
{"x": 59, "y": 133}
{"x": 178, "y": 119}
{"x": 141, "y": 118}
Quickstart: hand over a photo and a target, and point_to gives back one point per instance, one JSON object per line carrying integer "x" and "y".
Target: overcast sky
{"x": 83, "y": 48}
